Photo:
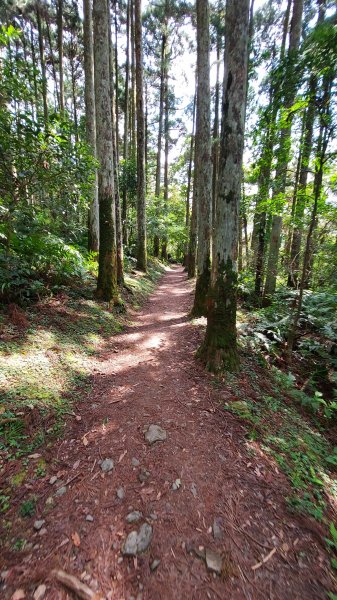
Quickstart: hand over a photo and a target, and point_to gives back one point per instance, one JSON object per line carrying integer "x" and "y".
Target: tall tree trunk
{"x": 52, "y": 60}
{"x": 60, "y": 49}
{"x": 43, "y": 64}
{"x": 203, "y": 164}
{"x": 114, "y": 105}
{"x": 189, "y": 181}
{"x": 166, "y": 155}
{"x": 156, "y": 240}
{"x": 90, "y": 121}
{"x": 116, "y": 83}
{"x": 141, "y": 206}
{"x": 133, "y": 85}
{"x": 126, "y": 121}
{"x": 107, "y": 264}
{"x": 283, "y": 155}
{"x": 192, "y": 240}
{"x": 215, "y": 140}
{"x": 219, "y": 349}
{"x": 73, "y": 86}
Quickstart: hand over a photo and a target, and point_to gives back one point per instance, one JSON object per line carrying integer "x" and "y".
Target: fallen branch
{"x": 75, "y": 585}
{"x": 264, "y": 560}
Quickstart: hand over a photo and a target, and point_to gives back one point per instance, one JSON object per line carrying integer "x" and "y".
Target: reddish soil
{"x": 151, "y": 376}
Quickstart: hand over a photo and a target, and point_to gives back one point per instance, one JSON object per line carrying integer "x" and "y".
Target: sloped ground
{"x": 150, "y": 376}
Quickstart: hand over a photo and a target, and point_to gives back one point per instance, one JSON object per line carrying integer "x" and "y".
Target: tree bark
{"x": 107, "y": 264}
{"x": 43, "y": 64}
{"x": 219, "y": 349}
{"x": 203, "y": 163}
{"x": 141, "y": 207}
{"x": 90, "y": 121}
{"x": 156, "y": 240}
{"x": 60, "y": 49}
{"x": 126, "y": 121}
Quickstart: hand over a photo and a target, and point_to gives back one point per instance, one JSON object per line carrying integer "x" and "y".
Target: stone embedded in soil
{"x": 43, "y": 531}
{"x": 213, "y": 561}
{"x": 155, "y": 433}
{"x": 143, "y": 475}
{"x": 138, "y": 542}
{"x": 62, "y": 490}
{"x": 176, "y": 484}
{"x": 134, "y": 517}
{"x": 130, "y": 544}
{"x": 144, "y": 537}
{"x": 53, "y": 480}
{"x": 40, "y": 592}
{"x": 194, "y": 490}
{"x": 107, "y": 465}
{"x": 39, "y": 524}
{"x": 120, "y": 493}
{"x": 217, "y": 528}
{"x": 89, "y": 518}
{"x": 135, "y": 462}
{"x": 155, "y": 564}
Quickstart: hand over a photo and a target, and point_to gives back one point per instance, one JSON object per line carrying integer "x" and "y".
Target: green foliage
{"x": 28, "y": 507}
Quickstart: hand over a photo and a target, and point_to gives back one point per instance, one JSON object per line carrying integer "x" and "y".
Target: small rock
{"x": 89, "y": 518}
{"x": 194, "y": 490}
{"x": 120, "y": 560}
{"x": 53, "y": 480}
{"x": 50, "y": 501}
{"x": 153, "y": 516}
{"x": 4, "y": 575}
{"x": 134, "y": 517}
{"x": 130, "y": 544}
{"x": 155, "y": 433}
{"x": 135, "y": 462}
{"x": 176, "y": 484}
{"x": 43, "y": 531}
{"x": 143, "y": 475}
{"x": 144, "y": 537}
{"x": 62, "y": 490}
{"x": 40, "y": 592}
{"x": 120, "y": 493}
{"x": 38, "y": 524}
{"x": 18, "y": 595}
{"x": 107, "y": 465}
{"x": 217, "y": 528}
{"x": 155, "y": 564}
{"x": 213, "y": 561}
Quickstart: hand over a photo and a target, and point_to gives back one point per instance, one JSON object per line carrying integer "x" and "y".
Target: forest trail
{"x": 151, "y": 377}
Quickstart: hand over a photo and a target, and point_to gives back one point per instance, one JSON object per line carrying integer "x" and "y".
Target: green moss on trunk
{"x": 219, "y": 349}
{"x": 107, "y": 262}
{"x": 200, "y": 308}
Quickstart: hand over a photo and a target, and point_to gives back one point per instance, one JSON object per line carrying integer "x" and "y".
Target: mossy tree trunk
{"x": 141, "y": 208}
{"x": 107, "y": 263}
{"x": 126, "y": 120}
{"x": 203, "y": 162}
{"x": 156, "y": 240}
{"x": 219, "y": 349}
{"x": 90, "y": 121}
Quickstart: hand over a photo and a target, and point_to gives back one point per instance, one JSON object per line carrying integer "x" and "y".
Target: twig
{"x": 264, "y": 560}
{"x": 75, "y": 585}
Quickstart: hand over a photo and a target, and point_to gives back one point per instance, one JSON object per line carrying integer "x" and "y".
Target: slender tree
{"x": 203, "y": 164}
{"x": 107, "y": 264}
{"x": 219, "y": 349}
{"x": 141, "y": 205}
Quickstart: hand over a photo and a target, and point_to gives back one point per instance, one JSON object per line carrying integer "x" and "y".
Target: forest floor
{"x": 213, "y": 503}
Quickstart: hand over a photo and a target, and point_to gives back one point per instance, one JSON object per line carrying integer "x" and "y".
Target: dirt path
{"x": 152, "y": 377}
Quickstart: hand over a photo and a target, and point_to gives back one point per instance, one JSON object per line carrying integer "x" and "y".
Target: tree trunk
{"x": 43, "y": 64}
{"x": 90, "y": 121}
{"x": 215, "y": 140}
{"x": 60, "y": 49}
{"x": 141, "y": 207}
{"x": 166, "y": 153}
{"x": 283, "y": 154}
{"x": 219, "y": 349}
{"x": 189, "y": 180}
{"x": 107, "y": 264}
{"x": 203, "y": 164}
{"x": 156, "y": 240}
{"x": 126, "y": 121}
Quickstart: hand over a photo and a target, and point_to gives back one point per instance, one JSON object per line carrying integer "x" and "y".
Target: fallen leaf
{"x": 18, "y": 595}
{"x": 76, "y": 464}
{"x": 76, "y": 539}
{"x": 85, "y": 441}
{"x": 36, "y": 455}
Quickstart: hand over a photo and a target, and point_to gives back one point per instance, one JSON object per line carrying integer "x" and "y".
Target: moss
{"x": 107, "y": 260}
{"x": 18, "y": 479}
{"x": 201, "y": 293}
{"x": 219, "y": 349}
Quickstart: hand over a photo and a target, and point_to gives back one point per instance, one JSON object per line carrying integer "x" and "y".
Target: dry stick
{"x": 75, "y": 585}
{"x": 264, "y": 560}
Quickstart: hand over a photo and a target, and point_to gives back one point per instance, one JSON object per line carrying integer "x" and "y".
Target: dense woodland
{"x": 200, "y": 133}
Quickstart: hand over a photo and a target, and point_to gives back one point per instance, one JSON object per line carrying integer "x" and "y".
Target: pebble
{"x": 39, "y": 524}
{"x": 135, "y": 462}
{"x": 107, "y": 465}
{"x": 89, "y": 518}
{"x": 53, "y": 480}
{"x": 43, "y": 531}
{"x": 138, "y": 542}
{"x": 143, "y": 475}
{"x": 213, "y": 561}
{"x": 39, "y": 592}
{"x": 155, "y": 564}
{"x": 176, "y": 484}
{"x": 120, "y": 493}
{"x": 155, "y": 433}
{"x": 217, "y": 528}
{"x": 134, "y": 517}
{"x": 50, "y": 501}
{"x": 130, "y": 544}
{"x": 62, "y": 490}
